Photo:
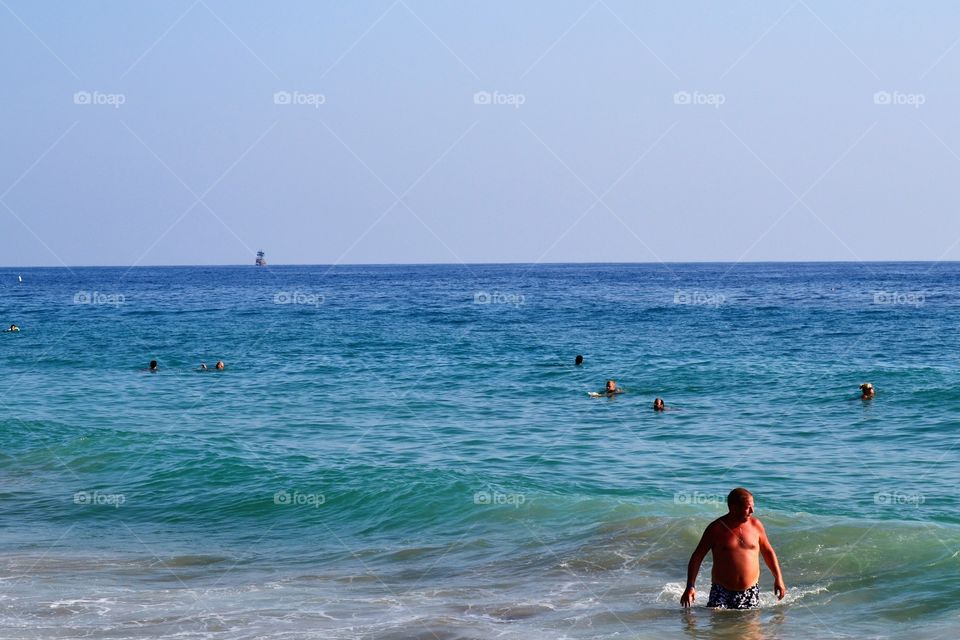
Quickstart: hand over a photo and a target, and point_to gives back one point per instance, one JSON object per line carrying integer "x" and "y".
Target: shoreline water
{"x": 343, "y": 477}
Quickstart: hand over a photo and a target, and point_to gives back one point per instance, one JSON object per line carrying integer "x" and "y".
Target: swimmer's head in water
{"x": 578, "y": 360}
{"x": 153, "y": 365}
{"x": 611, "y": 385}
{"x": 14, "y": 327}
{"x": 658, "y": 404}
{"x": 220, "y": 365}
{"x": 866, "y": 389}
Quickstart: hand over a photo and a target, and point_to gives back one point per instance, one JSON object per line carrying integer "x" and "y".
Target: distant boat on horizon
{"x": 261, "y": 261}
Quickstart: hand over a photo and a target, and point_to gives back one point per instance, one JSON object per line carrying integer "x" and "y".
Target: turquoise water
{"x": 409, "y": 452}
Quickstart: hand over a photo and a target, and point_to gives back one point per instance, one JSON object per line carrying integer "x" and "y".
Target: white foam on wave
{"x": 670, "y": 592}
{"x": 794, "y": 594}
{"x": 99, "y": 606}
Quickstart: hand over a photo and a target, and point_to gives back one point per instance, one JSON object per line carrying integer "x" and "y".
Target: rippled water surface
{"x": 409, "y": 452}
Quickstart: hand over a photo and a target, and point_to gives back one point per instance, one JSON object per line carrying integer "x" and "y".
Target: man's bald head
{"x": 738, "y": 497}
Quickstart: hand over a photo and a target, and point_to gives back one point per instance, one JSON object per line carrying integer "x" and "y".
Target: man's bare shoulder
{"x": 715, "y": 527}
{"x": 719, "y": 526}
{"x": 756, "y": 524}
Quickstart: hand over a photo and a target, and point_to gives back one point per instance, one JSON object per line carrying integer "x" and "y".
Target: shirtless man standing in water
{"x": 736, "y": 540}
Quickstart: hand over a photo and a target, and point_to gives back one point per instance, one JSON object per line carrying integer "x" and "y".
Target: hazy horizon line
{"x": 469, "y": 264}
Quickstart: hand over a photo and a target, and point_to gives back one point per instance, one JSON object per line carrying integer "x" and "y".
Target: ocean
{"x": 409, "y": 451}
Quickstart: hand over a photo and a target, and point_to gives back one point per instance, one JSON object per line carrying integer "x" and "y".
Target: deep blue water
{"x": 409, "y": 451}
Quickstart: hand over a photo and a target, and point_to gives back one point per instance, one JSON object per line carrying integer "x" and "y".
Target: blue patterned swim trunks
{"x": 723, "y": 598}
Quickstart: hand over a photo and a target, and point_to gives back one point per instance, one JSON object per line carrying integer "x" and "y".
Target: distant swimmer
{"x": 737, "y": 541}
{"x": 611, "y": 390}
{"x": 202, "y": 367}
{"x": 153, "y": 366}
{"x": 13, "y": 329}
{"x": 219, "y": 365}
{"x": 866, "y": 391}
{"x": 658, "y": 405}
{"x": 578, "y": 360}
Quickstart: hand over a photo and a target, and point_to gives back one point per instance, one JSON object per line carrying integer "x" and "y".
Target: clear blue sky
{"x": 603, "y": 161}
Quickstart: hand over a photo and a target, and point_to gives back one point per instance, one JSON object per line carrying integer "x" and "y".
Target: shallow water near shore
{"x": 409, "y": 451}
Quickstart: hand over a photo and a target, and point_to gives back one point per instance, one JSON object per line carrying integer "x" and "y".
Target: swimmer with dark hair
{"x": 13, "y": 329}
{"x": 578, "y": 360}
{"x": 611, "y": 390}
{"x": 220, "y": 365}
{"x": 153, "y": 366}
{"x": 658, "y": 405}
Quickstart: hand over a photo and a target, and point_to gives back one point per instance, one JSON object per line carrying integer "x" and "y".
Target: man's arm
{"x": 770, "y": 559}
{"x": 693, "y": 568}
